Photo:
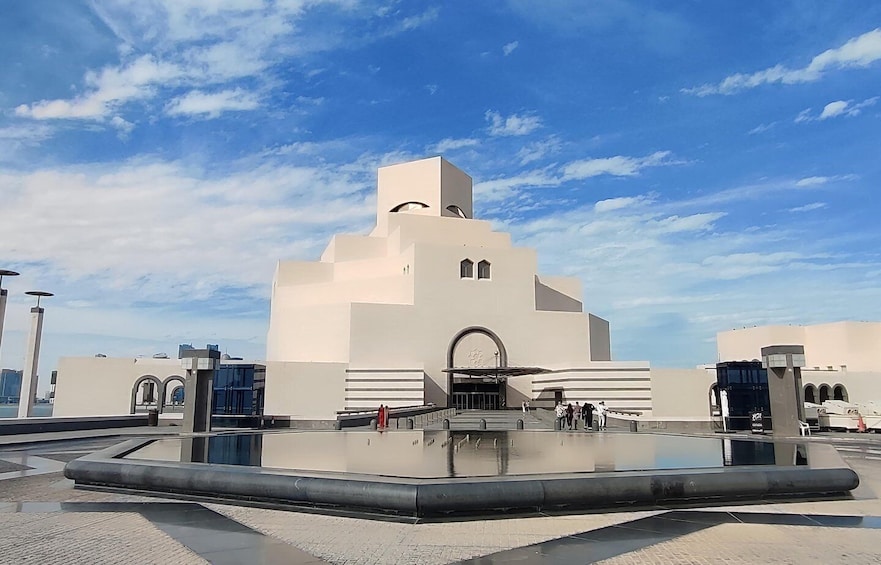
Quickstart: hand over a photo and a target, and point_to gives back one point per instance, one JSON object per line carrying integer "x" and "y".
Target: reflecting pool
{"x": 445, "y": 454}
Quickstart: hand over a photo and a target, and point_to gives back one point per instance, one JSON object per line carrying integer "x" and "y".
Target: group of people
{"x": 568, "y": 416}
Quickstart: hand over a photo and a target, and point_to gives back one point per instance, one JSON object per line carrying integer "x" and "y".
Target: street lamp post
{"x": 32, "y": 357}
{"x": 3, "y": 294}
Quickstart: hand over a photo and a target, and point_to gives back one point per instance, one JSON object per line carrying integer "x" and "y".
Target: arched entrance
{"x": 824, "y": 393}
{"x": 839, "y": 393}
{"x": 475, "y": 357}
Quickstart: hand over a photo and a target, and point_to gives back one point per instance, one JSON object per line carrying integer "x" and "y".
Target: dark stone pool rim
{"x": 452, "y": 496}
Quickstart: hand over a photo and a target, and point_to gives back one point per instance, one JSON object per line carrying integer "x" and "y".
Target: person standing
{"x": 569, "y": 413}
{"x": 523, "y": 405}
{"x": 601, "y": 414}
{"x": 560, "y": 414}
{"x": 527, "y": 407}
{"x": 587, "y": 411}
{"x": 577, "y": 415}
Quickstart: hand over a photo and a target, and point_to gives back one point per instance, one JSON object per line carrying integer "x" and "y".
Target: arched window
{"x": 408, "y": 206}
{"x": 824, "y": 393}
{"x": 839, "y": 393}
{"x": 457, "y": 211}
{"x": 810, "y": 394}
{"x": 483, "y": 270}
{"x": 466, "y": 269}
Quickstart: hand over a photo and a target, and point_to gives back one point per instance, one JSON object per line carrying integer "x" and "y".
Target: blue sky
{"x": 699, "y": 165}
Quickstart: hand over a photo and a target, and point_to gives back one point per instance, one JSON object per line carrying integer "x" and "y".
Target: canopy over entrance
{"x": 496, "y": 371}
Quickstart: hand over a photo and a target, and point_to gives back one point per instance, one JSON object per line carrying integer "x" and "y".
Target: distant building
{"x": 97, "y": 386}
{"x": 10, "y": 386}
{"x": 842, "y": 359}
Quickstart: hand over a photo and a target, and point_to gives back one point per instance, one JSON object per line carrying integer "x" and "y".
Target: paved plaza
{"x": 44, "y": 520}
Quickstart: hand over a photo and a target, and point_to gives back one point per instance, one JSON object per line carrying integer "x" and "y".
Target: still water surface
{"x": 438, "y": 454}
{"x": 11, "y": 410}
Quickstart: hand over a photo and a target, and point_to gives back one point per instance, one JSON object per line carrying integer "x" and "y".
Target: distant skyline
{"x": 701, "y": 166}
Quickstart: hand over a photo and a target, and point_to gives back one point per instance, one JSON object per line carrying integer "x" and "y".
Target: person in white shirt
{"x": 560, "y": 413}
{"x": 601, "y": 414}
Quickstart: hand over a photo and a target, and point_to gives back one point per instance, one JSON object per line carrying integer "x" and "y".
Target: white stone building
{"x": 842, "y": 359}
{"x": 434, "y": 306}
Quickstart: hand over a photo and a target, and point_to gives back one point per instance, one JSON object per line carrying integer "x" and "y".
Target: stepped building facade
{"x": 434, "y": 306}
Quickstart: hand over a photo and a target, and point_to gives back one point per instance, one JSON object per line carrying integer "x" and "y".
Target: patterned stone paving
{"x": 748, "y": 544}
{"x": 106, "y": 537}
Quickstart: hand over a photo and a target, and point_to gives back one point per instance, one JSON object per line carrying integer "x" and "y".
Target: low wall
{"x": 13, "y": 426}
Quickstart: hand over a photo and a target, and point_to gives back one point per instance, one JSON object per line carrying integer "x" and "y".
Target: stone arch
{"x": 146, "y": 398}
{"x": 839, "y": 392}
{"x": 714, "y": 400}
{"x": 811, "y": 394}
{"x": 169, "y": 386}
{"x": 825, "y": 393}
{"x": 503, "y": 354}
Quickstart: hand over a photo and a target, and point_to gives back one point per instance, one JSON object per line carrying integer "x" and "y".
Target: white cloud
{"x": 203, "y": 46}
{"x": 833, "y": 109}
{"x": 611, "y": 204}
{"x": 837, "y": 108}
{"x": 419, "y": 20}
{"x": 196, "y": 103}
{"x": 761, "y": 128}
{"x": 124, "y": 127}
{"x": 450, "y": 144}
{"x": 512, "y": 125}
{"x": 431, "y": 88}
{"x": 617, "y": 166}
{"x": 30, "y": 134}
{"x": 108, "y": 89}
{"x": 819, "y": 181}
{"x": 495, "y": 190}
{"x": 509, "y": 48}
{"x": 860, "y": 51}
{"x": 128, "y": 226}
{"x": 808, "y": 207}
{"x": 538, "y": 149}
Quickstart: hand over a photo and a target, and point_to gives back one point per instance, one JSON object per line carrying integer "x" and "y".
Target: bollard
{"x": 373, "y": 423}
{"x": 633, "y": 426}
{"x": 446, "y": 424}
{"x": 520, "y": 424}
{"x": 153, "y": 417}
{"x": 557, "y": 427}
{"x": 482, "y": 425}
{"x": 409, "y": 423}
{"x": 338, "y": 425}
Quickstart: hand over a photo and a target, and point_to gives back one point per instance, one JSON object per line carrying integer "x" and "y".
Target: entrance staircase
{"x": 496, "y": 420}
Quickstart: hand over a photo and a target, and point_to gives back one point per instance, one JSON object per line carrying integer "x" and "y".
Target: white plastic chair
{"x": 803, "y": 428}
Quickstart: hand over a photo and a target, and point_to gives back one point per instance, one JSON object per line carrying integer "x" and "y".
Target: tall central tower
{"x": 429, "y": 187}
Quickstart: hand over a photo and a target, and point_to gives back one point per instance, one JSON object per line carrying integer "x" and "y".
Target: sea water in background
{"x": 11, "y": 410}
